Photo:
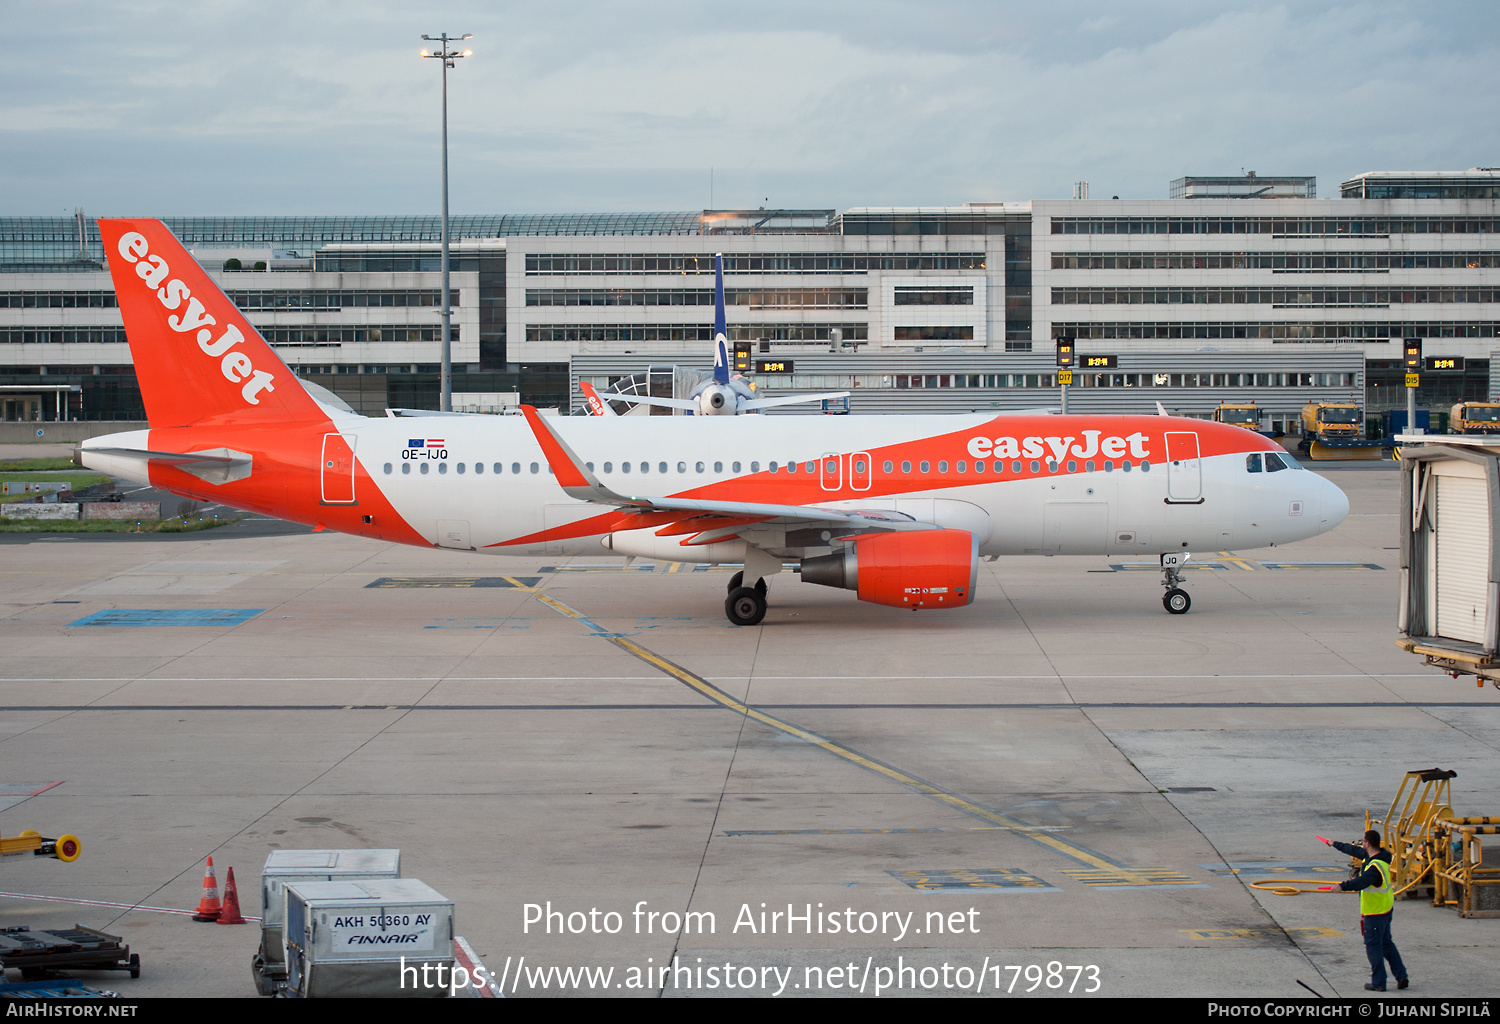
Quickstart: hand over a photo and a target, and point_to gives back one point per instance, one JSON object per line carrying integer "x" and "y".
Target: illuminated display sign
{"x": 1444, "y": 363}
{"x": 1098, "y": 362}
{"x": 1413, "y": 354}
{"x": 773, "y": 366}
{"x": 1065, "y": 353}
{"x": 742, "y": 357}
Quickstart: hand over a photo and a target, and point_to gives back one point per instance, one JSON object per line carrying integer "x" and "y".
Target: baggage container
{"x": 284, "y": 866}
{"x": 379, "y": 938}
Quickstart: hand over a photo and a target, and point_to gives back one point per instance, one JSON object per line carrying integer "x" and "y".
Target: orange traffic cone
{"x": 209, "y": 907}
{"x": 231, "y": 911}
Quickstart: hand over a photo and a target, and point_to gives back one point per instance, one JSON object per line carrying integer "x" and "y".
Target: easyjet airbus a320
{"x": 899, "y": 509}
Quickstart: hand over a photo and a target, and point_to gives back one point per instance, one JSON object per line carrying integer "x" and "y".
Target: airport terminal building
{"x": 1233, "y": 289}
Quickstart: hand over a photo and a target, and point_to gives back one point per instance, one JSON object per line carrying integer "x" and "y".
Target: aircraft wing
{"x": 666, "y": 403}
{"x": 578, "y": 482}
{"x": 770, "y": 403}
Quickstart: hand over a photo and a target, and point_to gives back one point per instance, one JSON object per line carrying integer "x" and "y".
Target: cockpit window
{"x": 1274, "y": 464}
{"x": 1252, "y": 463}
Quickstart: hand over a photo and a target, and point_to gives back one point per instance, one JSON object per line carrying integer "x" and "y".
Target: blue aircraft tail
{"x": 721, "y": 332}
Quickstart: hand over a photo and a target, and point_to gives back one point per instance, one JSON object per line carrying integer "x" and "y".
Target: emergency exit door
{"x": 1184, "y": 467}
{"x": 338, "y": 469}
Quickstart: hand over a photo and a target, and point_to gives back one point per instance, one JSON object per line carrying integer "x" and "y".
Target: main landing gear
{"x": 745, "y": 606}
{"x": 1175, "y": 600}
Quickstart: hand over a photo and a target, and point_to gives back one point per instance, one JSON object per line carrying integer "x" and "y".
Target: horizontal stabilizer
{"x": 215, "y": 465}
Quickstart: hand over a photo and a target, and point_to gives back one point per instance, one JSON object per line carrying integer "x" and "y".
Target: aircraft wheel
{"x": 1176, "y": 601}
{"x": 745, "y": 606}
{"x": 738, "y": 580}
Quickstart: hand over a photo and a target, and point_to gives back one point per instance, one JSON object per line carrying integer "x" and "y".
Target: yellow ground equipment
{"x": 65, "y": 848}
{"x": 1463, "y": 879}
{"x": 1335, "y": 430}
{"x": 1409, "y": 828}
{"x": 1475, "y": 418}
{"x": 1241, "y": 414}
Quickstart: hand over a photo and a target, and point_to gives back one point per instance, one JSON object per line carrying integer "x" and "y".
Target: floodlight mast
{"x": 447, "y": 57}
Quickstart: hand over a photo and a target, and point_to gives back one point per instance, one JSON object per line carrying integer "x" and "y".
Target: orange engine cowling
{"x": 909, "y": 569}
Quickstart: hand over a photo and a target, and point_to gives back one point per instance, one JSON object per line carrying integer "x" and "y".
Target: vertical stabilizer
{"x": 195, "y": 354}
{"x": 721, "y": 331}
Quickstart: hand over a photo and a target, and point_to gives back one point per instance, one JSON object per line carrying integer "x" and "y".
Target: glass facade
{"x": 1279, "y": 262}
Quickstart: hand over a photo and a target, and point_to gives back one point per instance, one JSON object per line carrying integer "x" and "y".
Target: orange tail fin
{"x": 196, "y": 356}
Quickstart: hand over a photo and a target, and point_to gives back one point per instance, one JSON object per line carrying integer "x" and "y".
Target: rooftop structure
{"x": 1247, "y": 186}
{"x": 1475, "y": 183}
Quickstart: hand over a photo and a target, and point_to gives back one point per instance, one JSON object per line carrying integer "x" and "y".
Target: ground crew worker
{"x": 1377, "y": 903}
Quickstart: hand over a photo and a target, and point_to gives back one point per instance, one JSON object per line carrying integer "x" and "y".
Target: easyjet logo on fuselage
{"x": 1094, "y": 443}
{"x": 236, "y": 367}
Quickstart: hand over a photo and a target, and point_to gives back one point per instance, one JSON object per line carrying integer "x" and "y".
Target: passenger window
{"x": 812, "y": 467}
{"x": 1051, "y": 466}
{"x": 589, "y": 466}
{"x": 978, "y": 466}
{"x": 906, "y": 467}
{"x": 1274, "y": 463}
{"x": 1089, "y": 465}
{"x": 926, "y": 466}
{"x": 478, "y": 468}
{"x": 1035, "y": 466}
{"x": 1015, "y": 467}
{"x": 460, "y": 468}
{"x": 535, "y": 467}
{"x": 609, "y": 467}
{"x": 425, "y": 467}
{"x": 645, "y": 467}
{"x": 515, "y": 467}
{"x": 1109, "y": 466}
{"x": 719, "y": 467}
{"x": 697, "y": 467}
{"x": 442, "y": 469}
{"x": 661, "y": 467}
{"x": 962, "y": 467}
{"x": 1252, "y": 463}
{"x": 498, "y": 467}
{"x": 681, "y": 467}
{"x": 754, "y": 467}
{"x": 1145, "y": 465}
{"x": 734, "y": 467}
{"x": 406, "y": 467}
{"x": 1072, "y": 466}
{"x": 624, "y": 467}
{"x": 791, "y": 467}
{"x": 859, "y": 466}
{"x": 943, "y": 466}
{"x": 888, "y": 466}
{"x": 1125, "y": 465}
{"x": 387, "y": 469}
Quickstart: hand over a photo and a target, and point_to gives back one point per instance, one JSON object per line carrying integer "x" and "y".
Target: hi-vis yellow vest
{"x": 1377, "y": 899}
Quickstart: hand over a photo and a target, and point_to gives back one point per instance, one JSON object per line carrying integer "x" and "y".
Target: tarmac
{"x": 1060, "y": 787}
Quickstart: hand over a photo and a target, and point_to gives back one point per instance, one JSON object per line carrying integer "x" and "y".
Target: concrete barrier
{"x": 71, "y": 431}
{"x": 127, "y": 510}
{"x": 56, "y": 510}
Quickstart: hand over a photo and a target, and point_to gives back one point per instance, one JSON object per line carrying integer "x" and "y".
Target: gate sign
{"x": 359, "y": 931}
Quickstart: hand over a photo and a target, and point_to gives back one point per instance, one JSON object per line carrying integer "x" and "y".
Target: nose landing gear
{"x": 1175, "y": 600}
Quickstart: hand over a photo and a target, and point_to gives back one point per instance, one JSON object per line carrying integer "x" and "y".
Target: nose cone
{"x": 1334, "y": 506}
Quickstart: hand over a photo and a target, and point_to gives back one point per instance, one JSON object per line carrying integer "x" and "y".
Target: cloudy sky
{"x": 265, "y": 107}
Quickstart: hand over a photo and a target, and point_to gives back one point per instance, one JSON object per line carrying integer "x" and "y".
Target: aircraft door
{"x": 860, "y": 471}
{"x": 338, "y": 469}
{"x": 830, "y": 471}
{"x": 1184, "y": 467}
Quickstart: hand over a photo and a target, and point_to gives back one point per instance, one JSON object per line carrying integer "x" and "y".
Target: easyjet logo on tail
{"x": 1059, "y": 448}
{"x": 236, "y": 367}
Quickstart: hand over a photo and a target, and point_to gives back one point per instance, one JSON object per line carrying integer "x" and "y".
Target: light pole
{"x": 447, "y": 57}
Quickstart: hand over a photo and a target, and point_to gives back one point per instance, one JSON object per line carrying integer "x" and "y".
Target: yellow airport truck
{"x": 1336, "y": 430}
{"x": 1241, "y": 414}
{"x": 1475, "y": 418}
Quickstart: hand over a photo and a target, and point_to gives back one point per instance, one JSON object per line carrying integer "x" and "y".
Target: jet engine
{"x": 906, "y": 569}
